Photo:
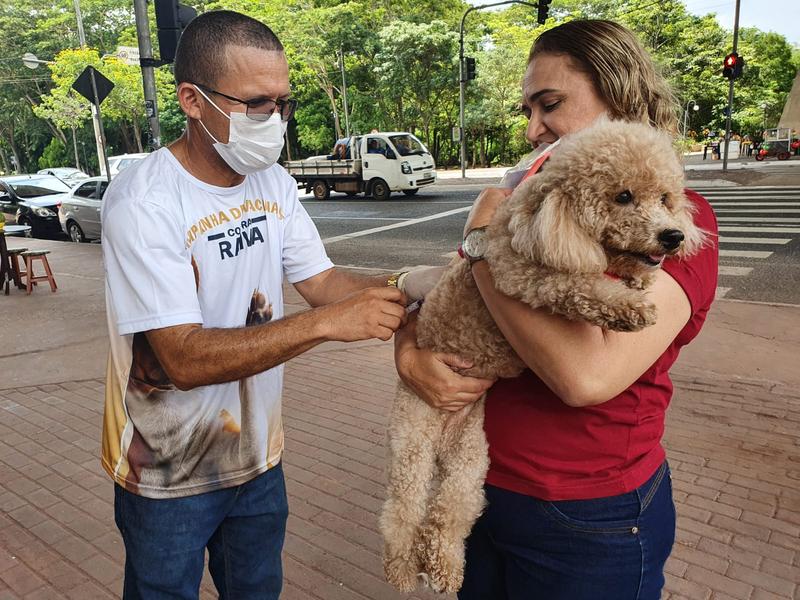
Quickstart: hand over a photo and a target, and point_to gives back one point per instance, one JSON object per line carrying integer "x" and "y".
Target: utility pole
{"x": 344, "y": 94}
{"x": 148, "y": 73}
{"x": 730, "y": 91}
{"x": 462, "y": 80}
{"x": 97, "y": 121}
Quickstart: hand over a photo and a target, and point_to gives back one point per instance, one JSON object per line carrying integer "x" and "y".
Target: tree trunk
{"x": 53, "y": 129}
{"x": 483, "y": 147}
{"x": 75, "y": 147}
{"x": 4, "y": 160}
{"x": 137, "y": 134}
{"x": 14, "y": 150}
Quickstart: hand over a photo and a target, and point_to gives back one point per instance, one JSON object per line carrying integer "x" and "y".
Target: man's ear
{"x": 190, "y": 100}
{"x": 548, "y": 233}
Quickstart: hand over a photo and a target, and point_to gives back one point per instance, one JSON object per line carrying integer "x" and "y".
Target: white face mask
{"x": 252, "y": 145}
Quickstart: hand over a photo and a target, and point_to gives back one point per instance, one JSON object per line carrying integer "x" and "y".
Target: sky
{"x": 780, "y": 16}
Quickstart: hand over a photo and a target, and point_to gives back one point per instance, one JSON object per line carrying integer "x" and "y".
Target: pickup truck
{"x": 376, "y": 164}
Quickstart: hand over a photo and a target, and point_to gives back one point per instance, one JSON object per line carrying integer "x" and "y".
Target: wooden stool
{"x": 16, "y": 272}
{"x": 30, "y": 279}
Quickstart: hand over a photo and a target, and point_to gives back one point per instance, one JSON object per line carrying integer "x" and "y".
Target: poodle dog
{"x": 582, "y": 238}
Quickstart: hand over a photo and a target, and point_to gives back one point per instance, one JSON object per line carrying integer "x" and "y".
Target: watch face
{"x": 475, "y": 243}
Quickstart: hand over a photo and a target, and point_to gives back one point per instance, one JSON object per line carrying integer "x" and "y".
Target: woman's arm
{"x": 583, "y": 364}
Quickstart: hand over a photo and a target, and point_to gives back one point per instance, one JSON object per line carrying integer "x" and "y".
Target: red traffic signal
{"x": 732, "y": 66}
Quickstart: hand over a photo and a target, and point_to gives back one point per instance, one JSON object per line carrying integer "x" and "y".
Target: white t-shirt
{"x": 176, "y": 251}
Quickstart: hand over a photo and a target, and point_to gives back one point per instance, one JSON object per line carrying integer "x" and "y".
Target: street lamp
{"x": 695, "y": 108}
{"x": 461, "y": 74}
{"x": 764, "y": 106}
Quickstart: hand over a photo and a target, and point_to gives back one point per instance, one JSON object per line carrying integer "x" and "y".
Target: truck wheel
{"x": 783, "y": 155}
{"x": 379, "y": 189}
{"x": 410, "y": 192}
{"x": 321, "y": 189}
{"x": 759, "y": 157}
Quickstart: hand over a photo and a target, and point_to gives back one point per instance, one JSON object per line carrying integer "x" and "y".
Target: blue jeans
{"x": 243, "y": 528}
{"x": 610, "y": 548}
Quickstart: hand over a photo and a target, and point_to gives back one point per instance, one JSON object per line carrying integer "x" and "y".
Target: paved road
{"x": 759, "y": 229}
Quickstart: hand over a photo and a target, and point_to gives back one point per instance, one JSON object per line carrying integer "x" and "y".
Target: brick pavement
{"x": 734, "y": 448}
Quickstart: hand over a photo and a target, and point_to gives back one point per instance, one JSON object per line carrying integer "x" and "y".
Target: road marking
{"x": 735, "y": 271}
{"x": 728, "y": 219}
{"x": 721, "y": 291}
{"x": 745, "y": 240}
{"x": 745, "y": 253}
{"x": 715, "y": 204}
{"x": 765, "y": 211}
{"x": 342, "y": 218}
{"x": 407, "y": 223}
{"x": 732, "y": 229}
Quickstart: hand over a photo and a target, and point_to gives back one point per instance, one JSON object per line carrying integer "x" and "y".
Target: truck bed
{"x": 323, "y": 168}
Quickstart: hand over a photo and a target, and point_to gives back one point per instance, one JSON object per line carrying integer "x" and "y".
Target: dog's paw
{"x": 633, "y": 317}
{"x": 443, "y": 562}
{"x": 402, "y": 572}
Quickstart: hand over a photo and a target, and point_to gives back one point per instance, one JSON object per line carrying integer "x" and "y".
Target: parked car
{"x": 33, "y": 200}
{"x": 79, "y": 212}
{"x": 69, "y": 175}
{"x": 123, "y": 161}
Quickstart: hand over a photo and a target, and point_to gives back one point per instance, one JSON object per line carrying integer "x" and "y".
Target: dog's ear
{"x": 547, "y": 233}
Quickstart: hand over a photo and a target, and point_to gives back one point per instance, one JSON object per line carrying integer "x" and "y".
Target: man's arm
{"x": 193, "y": 356}
{"x": 334, "y": 284}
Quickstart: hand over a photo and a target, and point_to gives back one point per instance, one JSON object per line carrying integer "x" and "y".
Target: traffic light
{"x": 469, "y": 68}
{"x": 732, "y": 66}
{"x": 171, "y": 19}
{"x": 544, "y": 7}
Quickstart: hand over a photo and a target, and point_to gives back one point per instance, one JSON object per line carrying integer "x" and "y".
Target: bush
{"x": 55, "y": 155}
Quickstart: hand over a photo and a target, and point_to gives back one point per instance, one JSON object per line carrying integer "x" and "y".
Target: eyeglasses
{"x": 260, "y": 109}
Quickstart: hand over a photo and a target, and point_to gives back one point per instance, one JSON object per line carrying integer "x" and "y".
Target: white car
{"x": 69, "y": 175}
{"x": 79, "y": 211}
{"x": 123, "y": 161}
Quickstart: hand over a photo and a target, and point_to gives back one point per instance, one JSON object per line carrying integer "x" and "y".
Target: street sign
{"x": 128, "y": 54}
{"x": 456, "y": 134}
{"x": 83, "y": 85}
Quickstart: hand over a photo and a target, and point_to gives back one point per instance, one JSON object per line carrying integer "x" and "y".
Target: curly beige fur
{"x": 596, "y": 209}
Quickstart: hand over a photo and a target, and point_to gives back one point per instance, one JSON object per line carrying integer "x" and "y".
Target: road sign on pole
{"x": 83, "y": 85}
{"x": 128, "y": 54}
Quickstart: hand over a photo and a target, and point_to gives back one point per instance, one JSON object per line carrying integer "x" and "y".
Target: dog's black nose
{"x": 670, "y": 238}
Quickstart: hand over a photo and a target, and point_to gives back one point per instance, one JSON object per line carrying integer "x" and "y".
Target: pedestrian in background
{"x": 579, "y": 493}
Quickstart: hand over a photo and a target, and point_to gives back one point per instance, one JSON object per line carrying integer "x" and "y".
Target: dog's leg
{"x": 598, "y": 299}
{"x": 413, "y": 432}
{"x": 457, "y": 504}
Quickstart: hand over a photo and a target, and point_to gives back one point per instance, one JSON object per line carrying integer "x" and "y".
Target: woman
{"x": 579, "y": 494}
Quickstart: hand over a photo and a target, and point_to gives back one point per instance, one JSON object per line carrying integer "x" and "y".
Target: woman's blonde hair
{"x": 621, "y": 69}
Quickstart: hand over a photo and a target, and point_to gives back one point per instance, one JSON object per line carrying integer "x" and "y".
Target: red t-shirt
{"x": 541, "y": 447}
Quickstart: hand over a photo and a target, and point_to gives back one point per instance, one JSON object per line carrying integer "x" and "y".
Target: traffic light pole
{"x": 462, "y": 77}
{"x": 148, "y": 72}
{"x": 730, "y": 91}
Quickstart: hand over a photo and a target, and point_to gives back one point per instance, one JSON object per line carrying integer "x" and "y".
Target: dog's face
{"x": 610, "y": 199}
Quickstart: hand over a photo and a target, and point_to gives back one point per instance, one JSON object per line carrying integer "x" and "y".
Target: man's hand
{"x": 432, "y": 375}
{"x": 419, "y": 282}
{"x": 482, "y": 211}
{"x": 369, "y": 313}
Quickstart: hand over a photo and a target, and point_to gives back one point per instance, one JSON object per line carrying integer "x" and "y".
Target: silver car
{"x": 79, "y": 212}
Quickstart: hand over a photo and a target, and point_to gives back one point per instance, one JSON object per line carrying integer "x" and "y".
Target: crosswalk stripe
{"x": 735, "y": 271}
{"x": 721, "y": 291}
{"x": 770, "y": 204}
{"x": 765, "y": 211}
{"x": 760, "y": 219}
{"x": 758, "y": 240}
{"x": 756, "y": 229}
{"x": 745, "y": 253}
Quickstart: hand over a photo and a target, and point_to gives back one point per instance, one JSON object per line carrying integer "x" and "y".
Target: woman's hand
{"x": 484, "y": 208}
{"x": 432, "y": 375}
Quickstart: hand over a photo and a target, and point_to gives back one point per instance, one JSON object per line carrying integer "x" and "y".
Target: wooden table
{"x": 7, "y": 273}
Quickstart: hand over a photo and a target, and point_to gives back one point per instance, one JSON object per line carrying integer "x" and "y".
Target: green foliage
{"x": 400, "y": 63}
{"x": 55, "y": 154}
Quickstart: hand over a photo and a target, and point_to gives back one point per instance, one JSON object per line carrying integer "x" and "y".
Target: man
{"x": 197, "y": 239}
